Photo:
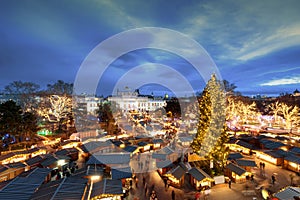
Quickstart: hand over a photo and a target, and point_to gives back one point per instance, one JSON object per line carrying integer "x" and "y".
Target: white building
{"x": 89, "y": 103}
{"x": 128, "y": 100}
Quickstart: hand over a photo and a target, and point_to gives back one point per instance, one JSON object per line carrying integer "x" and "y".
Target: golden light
{"x": 61, "y": 162}
{"x": 95, "y": 178}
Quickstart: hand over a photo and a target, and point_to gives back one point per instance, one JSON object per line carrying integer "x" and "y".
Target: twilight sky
{"x": 254, "y": 44}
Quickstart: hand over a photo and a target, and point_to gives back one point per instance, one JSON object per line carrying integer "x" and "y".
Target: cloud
{"x": 282, "y": 81}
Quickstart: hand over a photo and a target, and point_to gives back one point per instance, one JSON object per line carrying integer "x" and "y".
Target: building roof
{"x": 93, "y": 146}
{"x": 158, "y": 141}
{"x": 177, "y": 172}
{"x": 34, "y": 160}
{"x": 141, "y": 144}
{"x": 246, "y": 163}
{"x": 130, "y": 148}
{"x": 270, "y": 144}
{"x": 185, "y": 139}
{"x": 293, "y": 158}
{"x": 245, "y": 144}
{"x": 198, "y": 174}
{"x": 273, "y": 154}
{"x": 164, "y": 163}
{"x": 234, "y": 156}
{"x": 109, "y": 158}
{"x": 120, "y": 173}
{"x": 24, "y": 187}
{"x": 236, "y": 169}
{"x": 295, "y": 150}
{"x": 288, "y": 193}
{"x": 16, "y": 165}
{"x": 160, "y": 156}
{"x": 6, "y": 156}
{"x": 66, "y": 188}
{"x": 3, "y": 168}
{"x": 49, "y": 161}
{"x": 94, "y": 170}
{"x": 107, "y": 186}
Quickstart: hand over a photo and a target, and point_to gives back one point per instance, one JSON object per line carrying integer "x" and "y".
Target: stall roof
{"x": 24, "y": 187}
{"x": 245, "y": 144}
{"x": 66, "y": 152}
{"x": 198, "y": 174}
{"x": 34, "y": 160}
{"x": 295, "y": 150}
{"x": 156, "y": 141}
{"x": 120, "y": 173}
{"x": 185, "y": 139}
{"x": 130, "y": 148}
{"x": 107, "y": 186}
{"x": 94, "y": 170}
{"x": 234, "y": 156}
{"x": 293, "y": 158}
{"x": 288, "y": 193}
{"x": 164, "y": 163}
{"x": 49, "y": 161}
{"x": 95, "y": 145}
{"x": 246, "y": 163}
{"x": 110, "y": 158}
{"x": 270, "y": 144}
{"x": 273, "y": 154}
{"x": 177, "y": 172}
{"x": 236, "y": 169}
{"x": 66, "y": 188}
{"x": 6, "y": 156}
{"x": 141, "y": 144}
{"x": 160, "y": 156}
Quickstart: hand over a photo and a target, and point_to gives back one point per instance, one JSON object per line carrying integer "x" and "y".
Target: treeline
{"x": 26, "y": 108}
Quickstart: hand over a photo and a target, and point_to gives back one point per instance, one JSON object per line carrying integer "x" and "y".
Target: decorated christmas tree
{"x": 211, "y": 134}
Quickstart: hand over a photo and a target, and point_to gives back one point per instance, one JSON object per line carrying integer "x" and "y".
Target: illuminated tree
{"x": 289, "y": 113}
{"x": 210, "y": 131}
{"x": 56, "y": 109}
{"x": 241, "y": 112}
{"x": 275, "y": 109}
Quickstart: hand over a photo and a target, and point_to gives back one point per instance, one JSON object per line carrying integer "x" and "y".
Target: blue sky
{"x": 254, "y": 44}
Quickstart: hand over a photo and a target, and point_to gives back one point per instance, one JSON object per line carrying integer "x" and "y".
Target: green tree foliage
{"x": 106, "y": 114}
{"x": 16, "y": 122}
{"x": 10, "y": 117}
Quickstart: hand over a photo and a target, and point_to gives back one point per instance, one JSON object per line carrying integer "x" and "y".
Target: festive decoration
{"x": 211, "y": 135}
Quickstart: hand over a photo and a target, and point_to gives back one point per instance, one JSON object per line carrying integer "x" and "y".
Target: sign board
{"x": 219, "y": 179}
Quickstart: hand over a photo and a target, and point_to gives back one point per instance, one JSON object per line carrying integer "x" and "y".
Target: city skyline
{"x": 255, "y": 45}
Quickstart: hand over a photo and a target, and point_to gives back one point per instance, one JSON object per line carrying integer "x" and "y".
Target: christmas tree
{"x": 211, "y": 134}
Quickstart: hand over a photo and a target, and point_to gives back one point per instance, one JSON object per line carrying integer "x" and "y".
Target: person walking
{"x": 273, "y": 179}
{"x": 229, "y": 183}
{"x": 173, "y": 195}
